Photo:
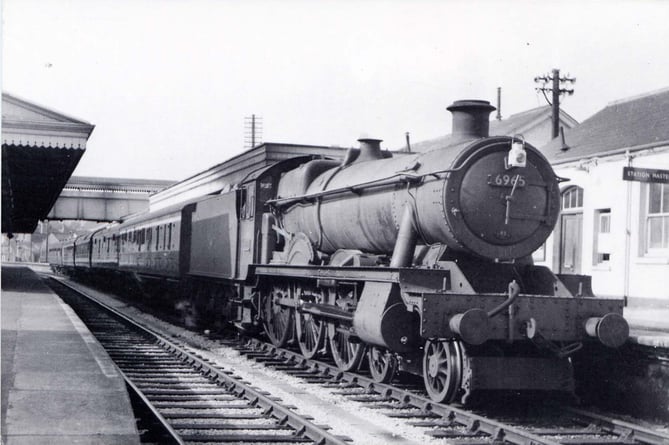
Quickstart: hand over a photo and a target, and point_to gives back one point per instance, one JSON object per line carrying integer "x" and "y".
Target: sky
{"x": 168, "y": 83}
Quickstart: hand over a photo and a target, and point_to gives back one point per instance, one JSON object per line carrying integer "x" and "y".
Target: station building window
{"x": 602, "y": 237}
{"x": 572, "y": 198}
{"x": 656, "y": 219}
{"x": 569, "y": 248}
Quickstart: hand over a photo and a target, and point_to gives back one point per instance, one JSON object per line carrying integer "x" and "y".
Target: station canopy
{"x": 40, "y": 150}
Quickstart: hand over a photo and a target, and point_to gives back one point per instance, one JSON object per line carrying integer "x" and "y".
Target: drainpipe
{"x": 628, "y": 232}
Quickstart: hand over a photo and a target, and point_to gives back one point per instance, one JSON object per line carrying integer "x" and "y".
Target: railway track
{"x": 556, "y": 424}
{"x": 191, "y": 400}
{"x": 451, "y": 424}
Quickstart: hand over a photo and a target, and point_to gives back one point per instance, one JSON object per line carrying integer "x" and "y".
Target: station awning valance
{"x": 40, "y": 150}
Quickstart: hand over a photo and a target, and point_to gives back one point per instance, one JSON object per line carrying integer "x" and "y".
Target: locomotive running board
{"x": 410, "y": 279}
{"x": 329, "y": 272}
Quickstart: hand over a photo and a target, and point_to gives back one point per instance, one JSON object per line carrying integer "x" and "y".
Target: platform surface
{"x": 59, "y": 386}
{"x": 649, "y": 326}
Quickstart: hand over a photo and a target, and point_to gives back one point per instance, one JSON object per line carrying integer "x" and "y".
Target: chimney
{"x": 370, "y": 149}
{"x": 563, "y": 145}
{"x": 471, "y": 118}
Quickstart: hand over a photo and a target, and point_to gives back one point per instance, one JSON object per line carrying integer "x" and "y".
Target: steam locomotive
{"x": 419, "y": 262}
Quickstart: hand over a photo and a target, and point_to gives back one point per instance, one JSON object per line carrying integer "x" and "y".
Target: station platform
{"x": 649, "y": 326}
{"x": 59, "y": 386}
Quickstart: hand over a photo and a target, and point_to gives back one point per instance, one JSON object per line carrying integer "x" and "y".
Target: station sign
{"x": 645, "y": 175}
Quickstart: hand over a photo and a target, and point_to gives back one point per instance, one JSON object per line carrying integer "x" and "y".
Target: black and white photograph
{"x": 429, "y": 222}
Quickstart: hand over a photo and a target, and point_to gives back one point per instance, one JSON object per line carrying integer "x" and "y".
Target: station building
{"x": 614, "y": 223}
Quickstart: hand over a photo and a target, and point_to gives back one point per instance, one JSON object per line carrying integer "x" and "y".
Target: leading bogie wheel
{"x": 277, "y": 318}
{"x": 382, "y": 364}
{"x": 442, "y": 369}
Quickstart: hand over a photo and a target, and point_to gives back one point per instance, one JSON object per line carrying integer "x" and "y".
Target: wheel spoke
{"x": 382, "y": 364}
{"x": 310, "y": 332}
{"x": 442, "y": 369}
{"x": 278, "y": 320}
{"x": 346, "y": 354}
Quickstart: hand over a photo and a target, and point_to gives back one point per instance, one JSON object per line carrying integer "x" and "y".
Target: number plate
{"x": 506, "y": 180}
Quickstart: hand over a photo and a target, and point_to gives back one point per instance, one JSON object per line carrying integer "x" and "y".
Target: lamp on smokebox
{"x": 517, "y": 155}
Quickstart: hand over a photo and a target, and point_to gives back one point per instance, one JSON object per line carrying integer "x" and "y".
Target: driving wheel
{"x": 277, "y": 318}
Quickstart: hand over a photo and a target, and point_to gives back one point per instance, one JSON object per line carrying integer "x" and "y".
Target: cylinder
{"x": 382, "y": 319}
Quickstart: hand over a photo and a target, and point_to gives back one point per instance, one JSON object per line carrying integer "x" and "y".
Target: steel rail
{"x": 497, "y": 430}
{"x": 623, "y": 428}
{"x": 283, "y": 414}
{"x": 153, "y": 410}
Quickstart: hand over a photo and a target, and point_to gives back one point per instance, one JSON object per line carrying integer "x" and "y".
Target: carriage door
{"x": 571, "y": 231}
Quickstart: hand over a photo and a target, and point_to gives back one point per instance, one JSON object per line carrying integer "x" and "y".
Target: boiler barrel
{"x": 463, "y": 196}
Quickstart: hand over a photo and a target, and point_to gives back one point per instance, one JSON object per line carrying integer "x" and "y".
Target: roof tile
{"x": 628, "y": 123}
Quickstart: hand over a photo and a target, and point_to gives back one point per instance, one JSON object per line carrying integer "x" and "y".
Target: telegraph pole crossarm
{"x": 555, "y": 80}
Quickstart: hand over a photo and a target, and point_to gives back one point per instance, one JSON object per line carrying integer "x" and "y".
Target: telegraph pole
{"x": 556, "y": 91}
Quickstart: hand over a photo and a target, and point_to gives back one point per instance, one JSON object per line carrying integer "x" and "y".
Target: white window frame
{"x": 647, "y": 216}
{"x": 601, "y": 237}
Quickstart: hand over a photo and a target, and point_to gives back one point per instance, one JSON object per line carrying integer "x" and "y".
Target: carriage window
{"x": 169, "y": 236}
{"x": 157, "y": 237}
